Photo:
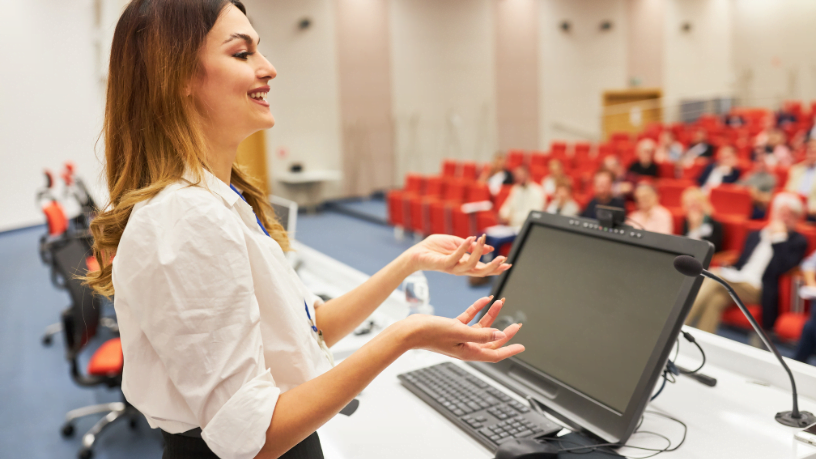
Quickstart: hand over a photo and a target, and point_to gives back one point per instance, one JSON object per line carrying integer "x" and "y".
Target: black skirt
{"x": 178, "y": 446}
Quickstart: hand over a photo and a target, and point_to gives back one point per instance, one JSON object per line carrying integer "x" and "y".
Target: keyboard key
{"x": 495, "y": 438}
{"x": 458, "y": 412}
{"x": 523, "y": 433}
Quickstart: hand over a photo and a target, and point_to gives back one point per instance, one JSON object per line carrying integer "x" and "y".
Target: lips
{"x": 258, "y": 95}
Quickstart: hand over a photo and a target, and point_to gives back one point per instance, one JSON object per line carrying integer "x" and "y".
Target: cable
{"x": 585, "y": 449}
{"x": 691, "y": 339}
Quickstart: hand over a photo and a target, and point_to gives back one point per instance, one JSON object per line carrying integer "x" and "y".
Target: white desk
{"x": 735, "y": 419}
{"x": 305, "y": 187}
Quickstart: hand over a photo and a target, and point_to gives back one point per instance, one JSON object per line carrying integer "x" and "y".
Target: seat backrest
{"x": 449, "y": 168}
{"x": 414, "y": 183}
{"x": 55, "y": 218}
{"x": 468, "y": 170}
{"x": 732, "y": 200}
{"x": 81, "y": 320}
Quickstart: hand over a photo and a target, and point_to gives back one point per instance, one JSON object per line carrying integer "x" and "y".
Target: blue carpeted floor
{"x": 35, "y": 387}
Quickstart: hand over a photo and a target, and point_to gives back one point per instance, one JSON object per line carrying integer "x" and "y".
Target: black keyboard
{"x": 478, "y": 408}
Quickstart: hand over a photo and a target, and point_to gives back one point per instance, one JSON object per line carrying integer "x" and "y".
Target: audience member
{"x": 555, "y": 174}
{"x": 699, "y": 224}
{"x": 802, "y": 178}
{"x": 668, "y": 148}
{"x": 602, "y": 187}
{"x": 699, "y": 147}
{"x": 766, "y": 255}
{"x": 807, "y": 342}
{"x": 761, "y": 183}
{"x": 724, "y": 170}
{"x": 774, "y": 147}
{"x": 650, "y": 215}
{"x": 621, "y": 183}
{"x": 525, "y": 196}
{"x": 562, "y": 202}
{"x": 497, "y": 175}
{"x": 644, "y": 165}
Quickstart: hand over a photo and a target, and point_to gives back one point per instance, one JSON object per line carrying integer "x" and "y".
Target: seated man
{"x": 602, "y": 185}
{"x": 496, "y": 175}
{"x": 807, "y": 342}
{"x": 562, "y": 202}
{"x": 767, "y": 254}
{"x": 699, "y": 224}
{"x": 802, "y": 178}
{"x": 525, "y": 196}
{"x": 699, "y": 146}
{"x": 650, "y": 215}
{"x": 644, "y": 165}
{"x": 761, "y": 183}
{"x": 724, "y": 170}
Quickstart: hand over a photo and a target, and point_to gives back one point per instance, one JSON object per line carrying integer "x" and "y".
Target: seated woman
{"x": 698, "y": 223}
{"x": 562, "y": 202}
{"x": 555, "y": 175}
{"x": 497, "y": 175}
{"x": 651, "y": 216}
{"x": 668, "y": 148}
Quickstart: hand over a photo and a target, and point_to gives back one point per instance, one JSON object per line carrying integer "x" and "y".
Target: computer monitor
{"x": 286, "y": 212}
{"x": 601, "y": 308}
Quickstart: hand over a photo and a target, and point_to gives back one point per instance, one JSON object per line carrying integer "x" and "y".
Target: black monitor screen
{"x": 593, "y": 309}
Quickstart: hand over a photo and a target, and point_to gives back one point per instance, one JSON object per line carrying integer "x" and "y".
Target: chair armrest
{"x": 478, "y": 206}
{"x": 725, "y": 258}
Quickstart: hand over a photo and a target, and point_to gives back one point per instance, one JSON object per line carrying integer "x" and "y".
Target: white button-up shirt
{"x": 212, "y": 317}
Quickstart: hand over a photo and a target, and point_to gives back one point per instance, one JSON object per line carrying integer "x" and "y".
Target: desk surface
{"x": 308, "y": 176}
{"x": 735, "y": 419}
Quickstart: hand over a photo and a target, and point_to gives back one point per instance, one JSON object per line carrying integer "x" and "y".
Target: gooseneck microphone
{"x": 691, "y": 267}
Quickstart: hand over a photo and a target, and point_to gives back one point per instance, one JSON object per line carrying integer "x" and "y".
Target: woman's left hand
{"x": 454, "y": 255}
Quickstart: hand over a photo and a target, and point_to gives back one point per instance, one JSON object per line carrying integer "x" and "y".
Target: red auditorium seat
{"x": 582, "y": 151}
{"x": 671, "y": 191}
{"x": 666, "y": 170}
{"x": 499, "y": 199}
{"x": 515, "y": 158}
{"x": 538, "y": 159}
{"x": 398, "y": 199}
{"x": 467, "y": 224}
{"x": 419, "y": 206}
{"x": 732, "y": 200}
{"x": 55, "y": 218}
{"x": 449, "y": 168}
{"x": 468, "y": 170}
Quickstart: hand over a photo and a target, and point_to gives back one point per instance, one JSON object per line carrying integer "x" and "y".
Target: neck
{"x": 220, "y": 158}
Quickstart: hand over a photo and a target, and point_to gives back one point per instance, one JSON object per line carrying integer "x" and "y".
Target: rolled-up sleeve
{"x": 810, "y": 263}
{"x": 193, "y": 298}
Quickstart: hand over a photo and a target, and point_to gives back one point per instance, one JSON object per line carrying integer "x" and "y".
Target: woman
{"x": 562, "y": 202}
{"x": 225, "y": 350}
{"x": 698, "y": 223}
{"x": 650, "y": 215}
{"x": 497, "y": 174}
{"x": 556, "y": 174}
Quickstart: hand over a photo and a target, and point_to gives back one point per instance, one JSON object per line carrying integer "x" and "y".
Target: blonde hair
{"x": 698, "y": 195}
{"x": 151, "y": 129}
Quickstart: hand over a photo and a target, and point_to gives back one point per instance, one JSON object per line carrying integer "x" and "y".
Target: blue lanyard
{"x": 305, "y": 305}
{"x": 253, "y": 212}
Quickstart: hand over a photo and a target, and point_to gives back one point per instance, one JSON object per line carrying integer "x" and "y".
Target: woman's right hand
{"x": 455, "y": 338}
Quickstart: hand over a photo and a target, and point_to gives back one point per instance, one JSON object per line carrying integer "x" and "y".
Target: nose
{"x": 266, "y": 71}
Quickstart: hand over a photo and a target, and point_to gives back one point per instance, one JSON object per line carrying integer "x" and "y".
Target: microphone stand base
{"x": 805, "y": 419}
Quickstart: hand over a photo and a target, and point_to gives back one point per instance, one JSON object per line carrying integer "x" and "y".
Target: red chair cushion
{"x": 789, "y": 325}
{"x": 108, "y": 359}
{"x": 733, "y": 316}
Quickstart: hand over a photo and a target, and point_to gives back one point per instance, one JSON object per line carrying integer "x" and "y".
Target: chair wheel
{"x": 85, "y": 453}
{"x": 46, "y": 340}
{"x": 67, "y": 430}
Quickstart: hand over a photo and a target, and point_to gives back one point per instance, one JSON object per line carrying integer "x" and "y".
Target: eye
{"x": 243, "y": 55}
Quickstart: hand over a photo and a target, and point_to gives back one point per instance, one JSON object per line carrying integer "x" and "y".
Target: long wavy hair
{"x": 151, "y": 131}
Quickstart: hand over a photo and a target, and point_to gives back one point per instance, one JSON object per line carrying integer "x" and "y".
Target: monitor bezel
{"x": 291, "y": 219}
{"x": 568, "y": 404}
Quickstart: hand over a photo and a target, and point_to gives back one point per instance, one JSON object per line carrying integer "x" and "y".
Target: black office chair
{"x": 80, "y": 323}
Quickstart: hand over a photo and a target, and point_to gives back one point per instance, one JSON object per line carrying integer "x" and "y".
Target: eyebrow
{"x": 241, "y": 36}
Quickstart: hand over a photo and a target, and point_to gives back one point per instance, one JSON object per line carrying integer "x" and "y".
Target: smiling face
{"x": 231, "y": 84}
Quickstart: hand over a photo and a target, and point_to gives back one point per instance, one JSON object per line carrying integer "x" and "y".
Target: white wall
{"x": 51, "y": 101}
{"x": 775, "y": 50}
{"x": 443, "y": 82}
{"x": 304, "y": 96}
{"x": 698, "y": 63}
{"x": 576, "y": 67}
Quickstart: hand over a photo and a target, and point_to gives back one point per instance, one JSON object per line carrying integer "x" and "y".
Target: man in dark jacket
{"x": 767, "y": 255}
{"x": 602, "y": 185}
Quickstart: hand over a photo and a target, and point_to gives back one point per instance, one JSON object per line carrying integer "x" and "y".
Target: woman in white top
{"x": 225, "y": 350}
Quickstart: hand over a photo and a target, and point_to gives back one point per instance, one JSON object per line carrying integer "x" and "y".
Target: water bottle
{"x": 417, "y": 294}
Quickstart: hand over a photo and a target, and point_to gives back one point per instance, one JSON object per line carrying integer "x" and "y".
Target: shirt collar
{"x": 214, "y": 184}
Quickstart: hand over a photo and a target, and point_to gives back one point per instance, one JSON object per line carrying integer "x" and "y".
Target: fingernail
{"x": 490, "y": 297}
{"x": 502, "y": 300}
{"x": 497, "y": 335}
